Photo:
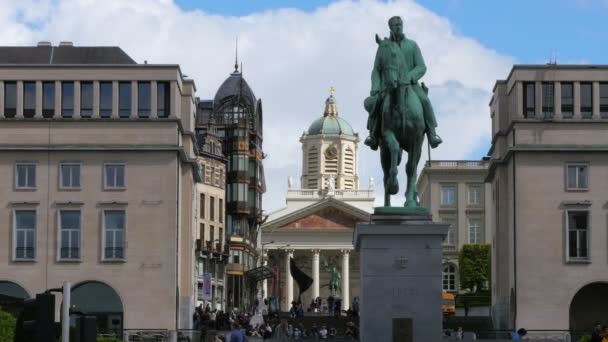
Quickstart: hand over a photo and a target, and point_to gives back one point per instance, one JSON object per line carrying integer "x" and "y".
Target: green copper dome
{"x": 330, "y": 123}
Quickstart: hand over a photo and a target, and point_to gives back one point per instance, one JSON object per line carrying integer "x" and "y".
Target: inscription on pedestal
{"x": 402, "y": 330}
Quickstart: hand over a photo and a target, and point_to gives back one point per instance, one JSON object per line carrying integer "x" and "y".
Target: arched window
{"x": 12, "y": 296}
{"x": 449, "y": 277}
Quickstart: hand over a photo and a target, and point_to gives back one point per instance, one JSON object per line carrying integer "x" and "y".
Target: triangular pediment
{"x": 327, "y": 214}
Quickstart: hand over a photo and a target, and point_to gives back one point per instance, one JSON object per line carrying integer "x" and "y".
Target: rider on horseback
{"x": 414, "y": 70}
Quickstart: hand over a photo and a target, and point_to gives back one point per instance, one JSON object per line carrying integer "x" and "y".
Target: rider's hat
{"x": 370, "y": 103}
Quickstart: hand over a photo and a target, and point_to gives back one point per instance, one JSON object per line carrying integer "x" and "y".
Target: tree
{"x": 7, "y": 327}
{"x": 474, "y": 263}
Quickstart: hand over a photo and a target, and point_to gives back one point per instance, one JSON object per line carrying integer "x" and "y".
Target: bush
{"x": 108, "y": 339}
{"x": 7, "y": 327}
{"x": 474, "y": 263}
{"x": 586, "y": 338}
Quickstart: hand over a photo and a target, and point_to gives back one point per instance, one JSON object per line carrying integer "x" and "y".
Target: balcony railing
{"x": 458, "y": 164}
{"x": 338, "y": 193}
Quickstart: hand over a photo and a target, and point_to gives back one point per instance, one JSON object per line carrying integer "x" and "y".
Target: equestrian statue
{"x": 400, "y": 114}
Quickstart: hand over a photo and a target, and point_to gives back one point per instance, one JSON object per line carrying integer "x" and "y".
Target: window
{"x": 202, "y": 206}
{"x": 48, "y": 99}
{"x": 25, "y": 175}
{"x": 212, "y": 236}
{"x": 475, "y": 191}
{"x": 529, "y": 100}
{"x": 577, "y": 177}
{"x": 578, "y": 235}
{"x": 105, "y": 99}
{"x": 449, "y": 277}
{"x": 114, "y": 176}
{"x": 604, "y": 100}
{"x": 212, "y": 208}
{"x": 220, "y": 234}
{"x": 29, "y": 99}
{"x": 124, "y": 99}
{"x": 162, "y": 99}
{"x": 548, "y": 99}
{"x": 586, "y": 100}
{"x": 450, "y": 238}
{"x": 448, "y": 195}
{"x": 10, "y": 99}
{"x": 221, "y": 207}
{"x": 114, "y": 234}
{"x": 567, "y": 99}
{"x": 25, "y": 234}
{"x": 475, "y": 231}
{"x": 201, "y": 233}
{"x": 143, "y": 99}
{"x": 69, "y": 235}
{"x": 69, "y": 175}
{"x": 86, "y": 99}
{"x": 67, "y": 99}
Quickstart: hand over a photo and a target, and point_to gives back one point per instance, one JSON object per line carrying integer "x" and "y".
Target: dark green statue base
{"x": 402, "y": 211}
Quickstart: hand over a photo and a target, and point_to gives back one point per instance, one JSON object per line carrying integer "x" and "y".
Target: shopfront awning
{"x": 260, "y": 273}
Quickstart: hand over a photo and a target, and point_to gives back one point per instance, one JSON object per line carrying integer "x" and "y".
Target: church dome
{"x": 234, "y": 87}
{"x": 331, "y": 123}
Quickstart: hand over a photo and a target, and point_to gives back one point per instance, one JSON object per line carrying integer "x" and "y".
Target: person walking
{"x": 236, "y": 335}
{"x": 596, "y": 334}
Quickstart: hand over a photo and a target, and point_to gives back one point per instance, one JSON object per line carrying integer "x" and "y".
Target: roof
{"x": 330, "y": 123}
{"x": 234, "y": 86}
{"x": 57, "y": 55}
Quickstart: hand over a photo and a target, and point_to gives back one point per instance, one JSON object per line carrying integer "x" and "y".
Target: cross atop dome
{"x": 331, "y": 107}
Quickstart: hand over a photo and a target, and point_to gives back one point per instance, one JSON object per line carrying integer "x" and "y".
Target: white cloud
{"x": 290, "y": 59}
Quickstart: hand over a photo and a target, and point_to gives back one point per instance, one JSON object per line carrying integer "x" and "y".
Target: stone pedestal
{"x": 401, "y": 285}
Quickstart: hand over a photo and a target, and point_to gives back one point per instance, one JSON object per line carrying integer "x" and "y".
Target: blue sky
{"x": 531, "y": 31}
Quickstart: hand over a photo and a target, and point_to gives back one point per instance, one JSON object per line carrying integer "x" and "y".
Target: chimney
{"x": 66, "y": 43}
{"x": 44, "y": 43}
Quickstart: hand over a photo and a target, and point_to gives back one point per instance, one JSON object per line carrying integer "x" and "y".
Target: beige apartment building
{"x": 98, "y": 168}
{"x": 456, "y": 193}
{"x": 211, "y": 245}
{"x": 549, "y": 178}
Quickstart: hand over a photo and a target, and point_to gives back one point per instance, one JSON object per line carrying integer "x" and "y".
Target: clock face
{"x": 331, "y": 152}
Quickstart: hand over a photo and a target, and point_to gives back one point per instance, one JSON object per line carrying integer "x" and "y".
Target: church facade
{"x": 316, "y": 226}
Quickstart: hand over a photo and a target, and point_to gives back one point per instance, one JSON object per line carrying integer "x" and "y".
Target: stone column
{"x": 134, "y": 107}
{"x": 154, "y": 102}
{"x": 288, "y": 280}
{"x": 19, "y": 114}
{"x": 95, "y": 100}
{"x": 595, "y": 97}
{"x": 77, "y": 100}
{"x": 519, "y": 100}
{"x": 265, "y": 281}
{"x": 315, "y": 273}
{"x": 345, "y": 280}
{"x": 115, "y": 90}
{"x": 58, "y": 94}
{"x": 577, "y": 100}
{"x": 538, "y": 100}
{"x": 557, "y": 96}
{"x": 2, "y": 99}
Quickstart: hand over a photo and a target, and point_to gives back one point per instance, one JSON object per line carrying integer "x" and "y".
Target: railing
{"x": 458, "y": 164}
{"x": 338, "y": 193}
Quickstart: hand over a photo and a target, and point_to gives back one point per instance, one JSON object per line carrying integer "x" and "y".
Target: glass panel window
{"x": 577, "y": 177}
{"x": 212, "y": 208}
{"x": 124, "y": 99}
{"x": 48, "y": 99}
{"x": 448, "y": 195}
{"x": 604, "y": 100}
{"x": 10, "y": 99}
{"x": 114, "y": 234}
{"x": 475, "y": 191}
{"x": 114, "y": 176}
{"x": 29, "y": 99}
{"x": 202, "y": 206}
{"x": 69, "y": 223}
{"x": 586, "y": 100}
{"x": 86, "y": 99}
{"x": 143, "y": 99}
{"x": 449, "y": 277}
{"x": 70, "y": 175}
{"x": 450, "y": 238}
{"x": 221, "y": 207}
{"x": 578, "y": 234}
{"x": 67, "y": 99}
{"x": 105, "y": 99}
{"x": 548, "y": 99}
{"x": 475, "y": 231}
{"x": 25, "y": 175}
{"x": 25, "y": 234}
{"x": 529, "y": 100}
{"x": 567, "y": 99}
{"x": 162, "y": 99}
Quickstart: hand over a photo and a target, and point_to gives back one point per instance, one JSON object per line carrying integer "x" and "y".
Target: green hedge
{"x": 108, "y": 339}
{"x": 586, "y": 338}
{"x": 7, "y": 327}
